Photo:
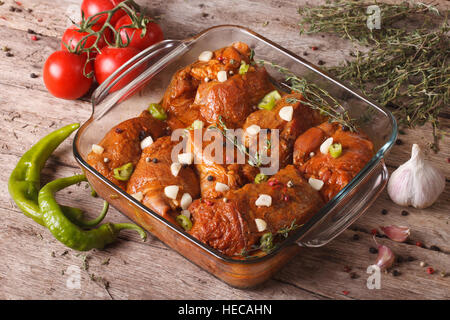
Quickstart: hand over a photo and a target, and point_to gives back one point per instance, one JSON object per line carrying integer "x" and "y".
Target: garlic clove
{"x": 396, "y": 233}
{"x": 385, "y": 258}
{"x": 416, "y": 183}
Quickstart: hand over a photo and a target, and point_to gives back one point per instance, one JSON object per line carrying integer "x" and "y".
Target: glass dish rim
{"x": 295, "y": 236}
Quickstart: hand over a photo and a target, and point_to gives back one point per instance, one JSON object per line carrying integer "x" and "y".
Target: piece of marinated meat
{"x": 336, "y": 173}
{"x": 202, "y": 76}
{"x": 122, "y": 145}
{"x": 220, "y": 167}
{"x": 233, "y": 99}
{"x": 303, "y": 118}
{"x": 153, "y": 174}
{"x": 229, "y": 226}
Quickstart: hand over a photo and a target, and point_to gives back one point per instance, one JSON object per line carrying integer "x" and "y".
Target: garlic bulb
{"x": 416, "y": 182}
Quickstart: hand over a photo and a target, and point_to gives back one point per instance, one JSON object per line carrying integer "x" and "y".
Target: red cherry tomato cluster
{"x": 111, "y": 32}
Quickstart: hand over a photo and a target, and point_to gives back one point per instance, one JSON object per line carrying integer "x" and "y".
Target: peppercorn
{"x": 33, "y": 75}
{"x": 435, "y": 248}
{"x": 374, "y": 232}
{"x": 31, "y": 31}
{"x": 142, "y": 135}
{"x": 9, "y": 54}
{"x": 355, "y": 237}
{"x": 373, "y": 250}
{"x": 410, "y": 258}
{"x": 321, "y": 62}
{"x": 353, "y": 275}
{"x": 210, "y": 178}
{"x": 305, "y": 53}
{"x": 396, "y": 273}
{"x": 399, "y": 259}
{"x": 118, "y": 130}
{"x": 314, "y": 48}
{"x": 384, "y": 212}
{"x": 419, "y": 244}
{"x": 399, "y": 142}
{"x": 430, "y": 270}
{"x": 155, "y": 160}
{"x": 405, "y": 213}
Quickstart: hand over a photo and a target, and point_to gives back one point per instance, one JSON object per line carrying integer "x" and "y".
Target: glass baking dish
{"x": 161, "y": 61}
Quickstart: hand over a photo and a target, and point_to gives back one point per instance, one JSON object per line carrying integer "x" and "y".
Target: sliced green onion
{"x": 261, "y": 177}
{"x": 124, "y": 172}
{"x": 266, "y": 241}
{"x": 243, "y": 69}
{"x": 184, "y": 221}
{"x": 269, "y": 100}
{"x": 157, "y": 111}
{"x": 335, "y": 150}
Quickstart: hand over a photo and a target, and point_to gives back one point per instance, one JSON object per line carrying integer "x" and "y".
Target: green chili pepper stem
{"x": 24, "y": 182}
{"x": 67, "y": 232}
{"x": 77, "y": 218}
{"x": 131, "y": 226}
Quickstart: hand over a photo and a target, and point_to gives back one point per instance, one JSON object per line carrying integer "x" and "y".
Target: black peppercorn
{"x": 373, "y": 250}
{"x": 210, "y": 178}
{"x": 142, "y": 135}
{"x": 399, "y": 259}
{"x": 405, "y": 213}
{"x": 344, "y": 128}
{"x": 118, "y": 130}
{"x": 396, "y": 273}
{"x": 355, "y": 237}
{"x": 33, "y": 75}
{"x": 410, "y": 258}
{"x": 399, "y": 142}
{"x": 155, "y": 160}
{"x": 321, "y": 62}
{"x": 9, "y": 54}
{"x": 353, "y": 275}
{"x": 435, "y": 248}
{"x": 384, "y": 212}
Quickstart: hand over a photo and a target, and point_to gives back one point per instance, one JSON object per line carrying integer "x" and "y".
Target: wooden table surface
{"x": 33, "y": 265}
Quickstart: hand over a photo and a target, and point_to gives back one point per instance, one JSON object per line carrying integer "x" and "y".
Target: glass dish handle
{"x": 348, "y": 210}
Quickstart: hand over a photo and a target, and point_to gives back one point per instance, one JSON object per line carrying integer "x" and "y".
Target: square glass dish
{"x": 161, "y": 61}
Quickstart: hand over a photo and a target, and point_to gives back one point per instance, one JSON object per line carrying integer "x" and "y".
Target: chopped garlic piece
{"x": 221, "y": 187}
{"x": 286, "y": 113}
{"x": 261, "y": 225}
{"x": 316, "y": 184}
{"x": 186, "y": 213}
{"x": 97, "y": 149}
{"x": 263, "y": 200}
{"x": 326, "y": 145}
{"x": 175, "y": 168}
{"x": 138, "y": 196}
{"x": 146, "y": 142}
{"x": 205, "y": 56}
{"x": 253, "y": 130}
{"x": 185, "y": 158}
{"x": 186, "y": 201}
{"x": 222, "y": 76}
{"x": 171, "y": 192}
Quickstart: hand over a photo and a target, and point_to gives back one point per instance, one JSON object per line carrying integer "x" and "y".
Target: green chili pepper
{"x": 25, "y": 179}
{"x": 124, "y": 172}
{"x": 243, "y": 69}
{"x": 24, "y": 182}
{"x": 266, "y": 241}
{"x": 261, "y": 177}
{"x": 269, "y": 100}
{"x": 335, "y": 150}
{"x": 157, "y": 111}
{"x": 184, "y": 221}
{"x": 70, "y": 234}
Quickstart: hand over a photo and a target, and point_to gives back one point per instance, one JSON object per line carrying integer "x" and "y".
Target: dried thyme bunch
{"x": 405, "y": 70}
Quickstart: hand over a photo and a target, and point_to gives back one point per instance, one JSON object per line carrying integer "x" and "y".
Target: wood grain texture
{"x": 33, "y": 262}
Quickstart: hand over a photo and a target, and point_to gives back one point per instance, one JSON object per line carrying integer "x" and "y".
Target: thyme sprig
{"x": 405, "y": 70}
{"x": 315, "y": 97}
{"x": 253, "y": 160}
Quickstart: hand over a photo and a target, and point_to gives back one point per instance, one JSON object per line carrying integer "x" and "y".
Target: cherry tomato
{"x": 110, "y": 59}
{"x": 72, "y": 36}
{"x": 153, "y": 34}
{"x": 92, "y": 7}
{"x": 64, "y": 77}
